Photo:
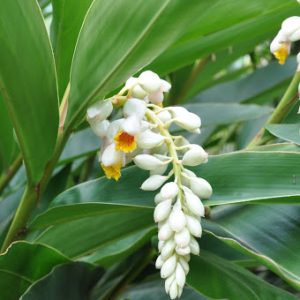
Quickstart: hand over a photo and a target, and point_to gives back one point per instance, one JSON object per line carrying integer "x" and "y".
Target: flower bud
{"x": 148, "y": 139}
{"x": 150, "y": 81}
{"x": 159, "y": 262}
{"x": 169, "y": 282}
{"x": 147, "y": 162}
{"x": 182, "y": 238}
{"x": 177, "y": 220}
{"x": 183, "y": 250}
{"x": 99, "y": 127}
{"x": 139, "y": 92}
{"x": 173, "y": 290}
{"x": 134, "y": 107}
{"x": 194, "y": 204}
{"x": 184, "y": 264}
{"x": 290, "y": 26}
{"x": 99, "y": 111}
{"x": 165, "y": 232}
{"x": 162, "y": 211}
{"x": 164, "y": 116}
{"x": 194, "y": 156}
{"x": 160, "y": 243}
{"x": 169, "y": 190}
{"x": 185, "y": 119}
{"x": 158, "y": 198}
{"x": 153, "y": 182}
{"x": 195, "y": 249}
{"x": 156, "y": 97}
{"x": 201, "y": 187}
{"x": 194, "y": 226}
{"x": 160, "y": 170}
{"x": 167, "y": 249}
{"x": 131, "y": 82}
{"x": 180, "y": 275}
{"x": 168, "y": 267}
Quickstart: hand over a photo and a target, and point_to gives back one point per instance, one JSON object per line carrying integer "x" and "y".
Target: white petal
{"x": 182, "y": 238}
{"x": 165, "y": 86}
{"x": 195, "y": 249}
{"x": 150, "y": 81}
{"x": 153, "y": 182}
{"x": 183, "y": 251}
{"x": 131, "y": 125}
{"x": 100, "y": 128}
{"x": 184, "y": 265}
{"x": 167, "y": 249}
{"x": 169, "y": 282}
{"x": 177, "y": 220}
{"x": 160, "y": 170}
{"x": 164, "y": 116}
{"x": 159, "y": 262}
{"x": 139, "y": 92}
{"x": 156, "y": 97}
{"x": 158, "y": 198}
{"x": 194, "y": 226}
{"x": 134, "y": 107}
{"x": 180, "y": 276}
{"x": 147, "y": 162}
{"x": 149, "y": 139}
{"x": 114, "y": 128}
{"x": 168, "y": 267}
{"x": 173, "y": 290}
{"x": 162, "y": 211}
{"x": 290, "y": 25}
{"x": 194, "y": 204}
{"x": 100, "y": 110}
{"x": 165, "y": 232}
{"x": 169, "y": 190}
{"x": 131, "y": 82}
{"x": 194, "y": 156}
{"x": 111, "y": 157}
{"x": 201, "y": 187}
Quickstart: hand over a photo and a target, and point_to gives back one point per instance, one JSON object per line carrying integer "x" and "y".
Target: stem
{"x": 33, "y": 193}
{"x": 9, "y": 174}
{"x": 284, "y": 106}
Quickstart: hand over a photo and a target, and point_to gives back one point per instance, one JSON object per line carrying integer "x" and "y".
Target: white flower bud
{"x": 194, "y": 204}
{"x": 162, "y": 211}
{"x": 153, "y": 182}
{"x": 160, "y": 170}
{"x": 184, "y": 265}
{"x": 173, "y": 290}
{"x": 147, "y": 162}
{"x": 168, "y": 267}
{"x": 289, "y": 26}
{"x": 201, "y": 187}
{"x": 165, "y": 232}
{"x": 156, "y": 97}
{"x": 169, "y": 282}
{"x": 194, "y": 226}
{"x": 167, "y": 249}
{"x": 139, "y": 92}
{"x": 185, "y": 119}
{"x": 164, "y": 116}
{"x": 158, "y": 198}
{"x": 99, "y": 111}
{"x": 180, "y": 275}
{"x": 177, "y": 219}
{"x": 183, "y": 251}
{"x": 159, "y": 262}
{"x": 134, "y": 107}
{"x": 165, "y": 86}
{"x": 182, "y": 238}
{"x": 195, "y": 249}
{"x": 99, "y": 127}
{"x": 169, "y": 190}
{"x": 194, "y": 156}
{"x": 150, "y": 81}
{"x": 131, "y": 82}
{"x": 160, "y": 245}
{"x": 111, "y": 157}
{"x": 131, "y": 125}
{"x": 149, "y": 139}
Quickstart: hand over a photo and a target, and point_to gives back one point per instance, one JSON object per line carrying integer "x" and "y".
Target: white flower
{"x": 100, "y": 127}
{"x": 164, "y": 116}
{"x": 185, "y": 119}
{"x": 134, "y": 107}
{"x": 99, "y": 111}
{"x": 147, "y": 162}
{"x": 149, "y": 139}
{"x": 131, "y": 125}
{"x": 149, "y": 81}
{"x": 113, "y": 128}
{"x": 111, "y": 157}
{"x": 169, "y": 190}
{"x": 194, "y": 156}
{"x": 153, "y": 182}
{"x": 200, "y": 187}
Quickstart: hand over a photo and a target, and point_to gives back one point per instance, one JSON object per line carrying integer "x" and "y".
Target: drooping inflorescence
{"x": 141, "y": 135}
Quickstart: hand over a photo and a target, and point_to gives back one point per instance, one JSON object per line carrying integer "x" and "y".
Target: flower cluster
{"x": 141, "y": 135}
{"x": 281, "y": 44}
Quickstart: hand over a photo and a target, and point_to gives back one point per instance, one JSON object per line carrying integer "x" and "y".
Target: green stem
{"x": 289, "y": 98}
{"x": 9, "y": 174}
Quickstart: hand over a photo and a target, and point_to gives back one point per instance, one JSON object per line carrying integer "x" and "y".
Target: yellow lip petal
{"x": 125, "y": 142}
{"x": 282, "y": 53}
{"x": 112, "y": 172}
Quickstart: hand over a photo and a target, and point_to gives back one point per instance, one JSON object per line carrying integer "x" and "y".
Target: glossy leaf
{"x": 24, "y": 263}
{"x": 267, "y": 233}
{"x": 151, "y": 26}
{"x": 220, "y": 279}
{"x": 69, "y": 281}
{"x": 28, "y": 82}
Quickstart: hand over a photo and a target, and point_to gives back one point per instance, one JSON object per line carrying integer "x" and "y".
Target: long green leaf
{"x": 112, "y": 45}
{"x": 270, "y": 234}
{"x": 287, "y": 132}
{"x": 28, "y": 82}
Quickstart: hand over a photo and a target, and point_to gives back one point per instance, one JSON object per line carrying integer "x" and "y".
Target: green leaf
{"x": 69, "y": 281}
{"x": 24, "y": 263}
{"x": 7, "y": 143}
{"x": 287, "y": 132}
{"x": 218, "y": 278}
{"x": 243, "y": 22}
{"x": 94, "y": 231}
{"x": 268, "y": 233}
{"x": 28, "y": 82}
{"x": 106, "y": 55}
{"x": 67, "y": 19}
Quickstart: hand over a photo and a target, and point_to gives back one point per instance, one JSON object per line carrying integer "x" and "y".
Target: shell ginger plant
{"x": 140, "y": 132}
